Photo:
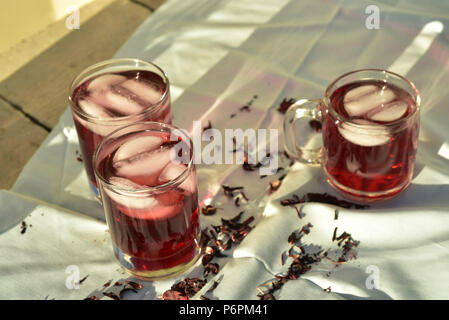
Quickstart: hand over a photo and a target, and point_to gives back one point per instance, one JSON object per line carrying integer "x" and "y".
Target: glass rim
{"x": 343, "y": 119}
{"x": 135, "y": 192}
{"x": 81, "y": 77}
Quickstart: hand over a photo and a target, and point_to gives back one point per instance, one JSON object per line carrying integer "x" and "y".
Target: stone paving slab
{"x": 19, "y": 138}
{"x": 34, "y": 97}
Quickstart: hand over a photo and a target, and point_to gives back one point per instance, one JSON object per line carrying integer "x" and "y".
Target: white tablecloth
{"x": 218, "y": 55}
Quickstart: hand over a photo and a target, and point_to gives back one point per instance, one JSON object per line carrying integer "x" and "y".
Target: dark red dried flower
{"x": 322, "y": 198}
{"x": 174, "y": 295}
{"x": 111, "y": 295}
{"x": 134, "y": 285}
{"x": 229, "y": 191}
{"x": 315, "y": 124}
{"x": 211, "y": 268}
{"x": 124, "y": 290}
{"x": 208, "y": 210}
{"x": 266, "y": 296}
{"x": 214, "y": 285}
{"x": 23, "y": 227}
{"x": 213, "y": 241}
{"x": 83, "y": 279}
{"x": 275, "y": 185}
{"x": 285, "y": 104}
{"x": 209, "y": 126}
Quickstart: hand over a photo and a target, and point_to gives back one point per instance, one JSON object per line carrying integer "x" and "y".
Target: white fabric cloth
{"x": 218, "y": 54}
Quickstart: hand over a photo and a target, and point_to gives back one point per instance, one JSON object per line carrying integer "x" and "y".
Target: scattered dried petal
{"x": 111, "y": 295}
{"x": 208, "y": 210}
{"x": 82, "y": 280}
{"x": 285, "y": 104}
{"x": 316, "y": 125}
{"x": 211, "y": 268}
{"x": 173, "y": 295}
{"x": 134, "y": 285}
{"x": 23, "y": 227}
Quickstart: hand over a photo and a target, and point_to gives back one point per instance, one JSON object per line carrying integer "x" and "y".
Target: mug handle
{"x": 303, "y": 146}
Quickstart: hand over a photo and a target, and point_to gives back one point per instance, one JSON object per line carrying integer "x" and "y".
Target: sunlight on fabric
{"x": 206, "y": 44}
{"x": 270, "y": 210}
{"x": 417, "y": 48}
{"x": 444, "y": 151}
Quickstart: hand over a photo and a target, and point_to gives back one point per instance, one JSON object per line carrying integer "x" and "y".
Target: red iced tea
{"x": 370, "y": 146}
{"x": 150, "y": 202}
{"x": 104, "y": 101}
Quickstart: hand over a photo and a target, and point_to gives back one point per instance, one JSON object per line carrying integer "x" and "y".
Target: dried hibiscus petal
{"x": 208, "y": 210}
{"x": 174, "y": 295}
{"x": 211, "y": 268}
{"x": 285, "y": 104}
{"x": 111, "y": 295}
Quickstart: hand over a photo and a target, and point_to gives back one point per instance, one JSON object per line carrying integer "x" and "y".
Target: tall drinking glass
{"x": 112, "y": 94}
{"x": 147, "y": 182}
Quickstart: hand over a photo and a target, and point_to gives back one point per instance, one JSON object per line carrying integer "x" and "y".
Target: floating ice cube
{"x": 120, "y": 101}
{"x": 143, "y": 90}
{"x": 93, "y": 109}
{"x": 143, "y": 168}
{"x": 172, "y": 171}
{"x": 128, "y": 201}
{"x": 135, "y": 146}
{"x": 104, "y": 82}
{"x": 125, "y": 183}
{"x": 101, "y": 130}
{"x": 157, "y": 212}
{"x": 389, "y": 112}
{"x": 367, "y": 102}
{"x": 368, "y": 134}
{"x": 143, "y": 206}
{"x": 358, "y": 92}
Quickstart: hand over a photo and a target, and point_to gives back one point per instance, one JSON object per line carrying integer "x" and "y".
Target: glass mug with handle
{"x": 370, "y": 127}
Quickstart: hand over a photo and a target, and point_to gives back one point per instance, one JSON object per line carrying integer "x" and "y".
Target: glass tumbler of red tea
{"x": 148, "y": 186}
{"x": 112, "y": 94}
{"x": 370, "y": 126}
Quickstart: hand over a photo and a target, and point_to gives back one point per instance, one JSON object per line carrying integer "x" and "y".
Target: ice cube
{"x": 358, "y": 92}
{"x": 157, "y": 212}
{"x": 128, "y": 201}
{"x": 125, "y": 183}
{"x": 120, "y": 102}
{"x": 104, "y": 82}
{"x": 172, "y": 171}
{"x": 143, "y": 168}
{"x": 143, "y": 90}
{"x": 142, "y": 206}
{"x": 93, "y": 109}
{"x": 135, "y": 146}
{"x": 366, "y": 134}
{"x": 389, "y": 112}
{"x": 101, "y": 130}
{"x": 365, "y": 103}
{"x": 170, "y": 204}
